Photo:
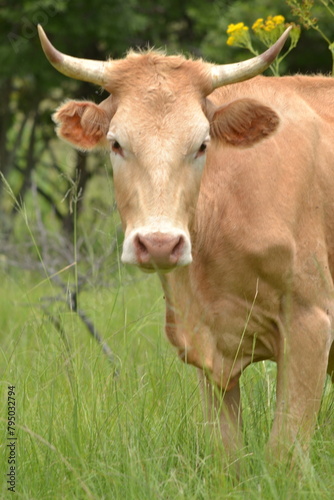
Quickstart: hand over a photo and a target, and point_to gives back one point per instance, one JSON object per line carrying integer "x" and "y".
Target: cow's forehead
{"x": 159, "y": 97}
{"x": 153, "y": 71}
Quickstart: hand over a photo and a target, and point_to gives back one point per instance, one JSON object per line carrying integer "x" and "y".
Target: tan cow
{"x": 231, "y": 188}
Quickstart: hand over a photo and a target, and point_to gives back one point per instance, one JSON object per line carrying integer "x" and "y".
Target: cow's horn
{"x": 238, "y": 72}
{"x": 86, "y": 70}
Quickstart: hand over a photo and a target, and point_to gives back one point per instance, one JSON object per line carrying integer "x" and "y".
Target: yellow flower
{"x": 268, "y": 32}
{"x": 269, "y": 24}
{"x": 258, "y": 24}
{"x": 232, "y": 28}
{"x": 231, "y": 40}
{"x": 239, "y": 35}
{"x": 278, "y": 20}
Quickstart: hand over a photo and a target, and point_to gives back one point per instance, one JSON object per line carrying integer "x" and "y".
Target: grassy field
{"x": 84, "y": 433}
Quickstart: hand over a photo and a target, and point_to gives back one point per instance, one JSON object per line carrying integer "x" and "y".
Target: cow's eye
{"x": 201, "y": 150}
{"x": 116, "y": 148}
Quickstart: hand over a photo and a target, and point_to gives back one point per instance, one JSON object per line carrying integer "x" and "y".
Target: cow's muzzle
{"x": 157, "y": 251}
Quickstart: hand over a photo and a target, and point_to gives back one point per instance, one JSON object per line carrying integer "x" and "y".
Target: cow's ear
{"x": 243, "y": 122}
{"x": 82, "y": 123}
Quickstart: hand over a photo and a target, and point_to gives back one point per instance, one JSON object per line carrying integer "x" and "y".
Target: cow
{"x": 224, "y": 181}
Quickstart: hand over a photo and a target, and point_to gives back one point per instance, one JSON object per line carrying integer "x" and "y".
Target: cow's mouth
{"x": 153, "y": 268}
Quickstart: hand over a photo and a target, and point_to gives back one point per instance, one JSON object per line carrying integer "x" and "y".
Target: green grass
{"x": 85, "y": 434}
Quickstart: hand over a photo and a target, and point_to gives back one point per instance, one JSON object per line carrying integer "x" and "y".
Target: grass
{"x": 83, "y": 433}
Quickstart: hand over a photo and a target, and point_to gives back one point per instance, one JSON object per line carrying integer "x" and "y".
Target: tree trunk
{"x": 5, "y": 122}
{"x": 30, "y": 159}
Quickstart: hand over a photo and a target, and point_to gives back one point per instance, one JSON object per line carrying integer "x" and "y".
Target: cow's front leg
{"x": 302, "y": 365}
{"x": 224, "y": 406}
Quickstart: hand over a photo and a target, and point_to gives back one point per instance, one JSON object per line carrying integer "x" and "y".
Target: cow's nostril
{"x": 178, "y": 249}
{"x": 142, "y": 252}
{"x": 141, "y": 245}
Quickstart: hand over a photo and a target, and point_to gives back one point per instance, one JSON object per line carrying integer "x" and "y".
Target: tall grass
{"x": 84, "y": 433}
{"x": 87, "y": 431}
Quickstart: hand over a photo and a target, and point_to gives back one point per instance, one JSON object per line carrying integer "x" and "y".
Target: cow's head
{"x": 157, "y": 124}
